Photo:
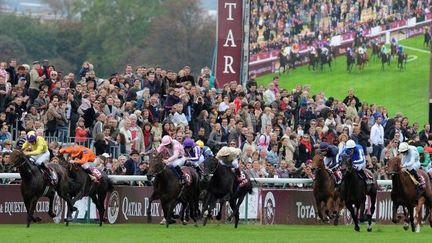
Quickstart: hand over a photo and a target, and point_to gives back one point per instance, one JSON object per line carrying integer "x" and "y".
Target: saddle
{"x": 243, "y": 180}
{"x": 96, "y": 173}
{"x": 49, "y": 175}
{"x": 417, "y": 183}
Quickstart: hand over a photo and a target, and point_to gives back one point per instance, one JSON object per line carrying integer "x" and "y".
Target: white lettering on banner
{"x": 229, "y": 60}
{"x": 1, "y": 208}
{"x": 305, "y": 211}
{"x": 131, "y": 208}
{"x": 230, "y": 37}
{"x": 154, "y": 210}
{"x": 42, "y": 207}
{"x": 14, "y": 207}
{"x": 230, "y": 7}
{"x": 385, "y": 209}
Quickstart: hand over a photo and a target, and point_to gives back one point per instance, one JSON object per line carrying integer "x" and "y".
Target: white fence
{"x": 116, "y": 178}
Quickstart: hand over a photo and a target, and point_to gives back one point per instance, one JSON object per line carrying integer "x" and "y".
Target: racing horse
{"x": 35, "y": 185}
{"x": 81, "y": 186}
{"x": 325, "y": 191}
{"x": 405, "y": 194}
{"x": 350, "y": 61}
{"x": 222, "y": 184}
{"x": 325, "y": 58}
{"x": 313, "y": 60}
{"x": 402, "y": 60}
{"x": 167, "y": 188}
{"x": 385, "y": 59}
{"x": 353, "y": 191}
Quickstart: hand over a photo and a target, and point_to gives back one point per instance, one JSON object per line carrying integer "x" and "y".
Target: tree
{"x": 66, "y": 8}
{"x": 182, "y": 35}
{"x": 12, "y": 49}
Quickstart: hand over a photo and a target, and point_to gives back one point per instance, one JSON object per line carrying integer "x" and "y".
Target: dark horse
{"x": 34, "y": 184}
{"x": 350, "y": 61}
{"x": 353, "y": 192}
{"x": 283, "y": 62}
{"x": 294, "y": 58}
{"x": 376, "y": 50}
{"x": 313, "y": 61}
{"x": 385, "y": 59}
{"x": 393, "y": 48}
{"x": 402, "y": 60}
{"x": 325, "y": 191}
{"x": 404, "y": 193}
{"x": 167, "y": 188}
{"x": 325, "y": 58}
{"x": 427, "y": 38}
{"x": 223, "y": 185}
{"x": 81, "y": 185}
{"x": 361, "y": 60}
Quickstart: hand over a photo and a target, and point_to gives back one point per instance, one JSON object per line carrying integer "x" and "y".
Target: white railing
{"x": 116, "y": 178}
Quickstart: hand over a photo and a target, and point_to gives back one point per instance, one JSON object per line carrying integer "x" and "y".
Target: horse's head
{"x": 317, "y": 162}
{"x": 210, "y": 166}
{"x": 17, "y": 158}
{"x": 346, "y": 164}
{"x": 156, "y": 164}
{"x": 393, "y": 166}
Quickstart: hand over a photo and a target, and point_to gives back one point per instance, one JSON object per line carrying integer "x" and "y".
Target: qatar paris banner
{"x": 229, "y": 41}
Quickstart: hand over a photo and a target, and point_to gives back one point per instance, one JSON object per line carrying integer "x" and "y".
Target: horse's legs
{"x": 237, "y": 204}
{"x": 206, "y": 207}
{"x": 353, "y": 215}
{"x": 418, "y": 211}
{"x": 372, "y": 196}
{"x": 411, "y": 217}
{"x": 28, "y": 204}
{"x": 51, "y": 202}
{"x": 329, "y": 206}
{"x": 319, "y": 207}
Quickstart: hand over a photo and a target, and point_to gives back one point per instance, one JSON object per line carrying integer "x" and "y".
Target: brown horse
{"x": 325, "y": 192}
{"x": 167, "y": 188}
{"x": 404, "y": 193}
{"x": 34, "y": 185}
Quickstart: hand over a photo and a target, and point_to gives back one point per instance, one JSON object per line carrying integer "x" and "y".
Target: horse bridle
{"x": 214, "y": 170}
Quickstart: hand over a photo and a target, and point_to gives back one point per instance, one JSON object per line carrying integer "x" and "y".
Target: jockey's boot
{"x": 239, "y": 178}
{"x": 182, "y": 178}
{"x": 418, "y": 179}
{"x": 49, "y": 173}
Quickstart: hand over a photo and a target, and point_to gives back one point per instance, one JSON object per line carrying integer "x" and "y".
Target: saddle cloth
{"x": 187, "y": 175}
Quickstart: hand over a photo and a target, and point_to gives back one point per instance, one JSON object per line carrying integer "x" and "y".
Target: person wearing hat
{"x": 173, "y": 152}
{"x": 37, "y": 148}
{"x": 411, "y": 161}
{"x": 193, "y": 155}
{"x": 330, "y": 153}
{"x": 229, "y": 156}
{"x": 205, "y": 150}
{"x": 355, "y": 153}
{"x": 83, "y": 156}
{"x": 424, "y": 158}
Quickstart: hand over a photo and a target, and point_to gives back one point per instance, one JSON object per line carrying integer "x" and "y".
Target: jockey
{"x": 330, "y": 153}
{"x": 361, "y": 50}
{"x": 410, "y": 160}
{"x": 206, "y": 151}
{"x": 37, "y": 148}
{"x": 325, "y": 50}
{"x": 82, "y": 156}
{"x": 229, "y": 156}
{"x": 193, "y": 154}
{"x": 400, "y": 49}
{"x": 384, "y": 49}
{"x": 312, "y": 50}
{"x": 355, "y": 152}
{"x": 393, "y": 41}
{"x": 424, "y": 158}
{"x": 174, "y": 149}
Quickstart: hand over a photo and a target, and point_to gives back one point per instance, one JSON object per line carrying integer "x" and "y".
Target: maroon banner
{"x": 229, "y": 41}
{"x": 13, "y": 210}
{"x": 281, "y": 206}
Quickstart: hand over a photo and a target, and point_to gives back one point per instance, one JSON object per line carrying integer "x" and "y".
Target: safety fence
{"x": 128, "y": 204}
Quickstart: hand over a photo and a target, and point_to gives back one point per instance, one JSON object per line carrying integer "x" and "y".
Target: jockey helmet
{"x": 420, "y": 150}
{"x": 403, "y": 147}
{"x": 324, "y": 146}
{"x": 31, "y": 136}
{"x": 166, "y": 140}
{"x": 188, "y": 143}
{"x": 200, "y": 143}
{"x": 350, "y": 144}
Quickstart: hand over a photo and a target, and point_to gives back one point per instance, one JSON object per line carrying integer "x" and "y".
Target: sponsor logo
{"x": 269, "y": 208}
{"x": 57, "y": 208}
{"x": 305, "y": 211}
{"x": 113, "y": 207}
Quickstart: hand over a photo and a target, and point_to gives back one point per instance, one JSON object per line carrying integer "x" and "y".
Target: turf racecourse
{"x": 210, "y": 233}
{"x": 405, "y": 91}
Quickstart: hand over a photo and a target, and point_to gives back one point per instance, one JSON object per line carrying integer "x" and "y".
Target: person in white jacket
{"x": 410, "y": 160}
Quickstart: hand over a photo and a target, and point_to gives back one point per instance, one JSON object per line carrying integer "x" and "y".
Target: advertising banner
{"x": 229, "y": 41}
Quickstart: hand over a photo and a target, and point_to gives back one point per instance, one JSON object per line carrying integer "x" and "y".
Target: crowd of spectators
{"x": 275, "y": 23}
{"x": 278, "y": 130}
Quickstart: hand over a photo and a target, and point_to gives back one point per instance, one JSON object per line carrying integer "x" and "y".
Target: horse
{"x": 427, "y": 38}
{"x": 313, "y": 61}
{"x": 353, "y": 191}
{"x": 283, "y": 62}
{"x": 222, "y": 185}
{"x": 350, "y": 61}
{"x": 402, "y": 60}
{"x": 81, "y": 186}
{"x": 376, "y": 50}
{"x": 325, "y": 58}
{"x": 167, "y": 188}
{"x": 294, "y": 57}
{"x": 404, "y": 193}
{"x": 325, "y": 191}
{"x": 361, "y": 61}
{"x": 34, "y": 185}
{"x": 393, "y": 49}
{"x": 385, "y": 59}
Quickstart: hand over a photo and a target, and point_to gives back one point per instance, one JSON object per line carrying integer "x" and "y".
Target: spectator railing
{"x": 295, "y": 181}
